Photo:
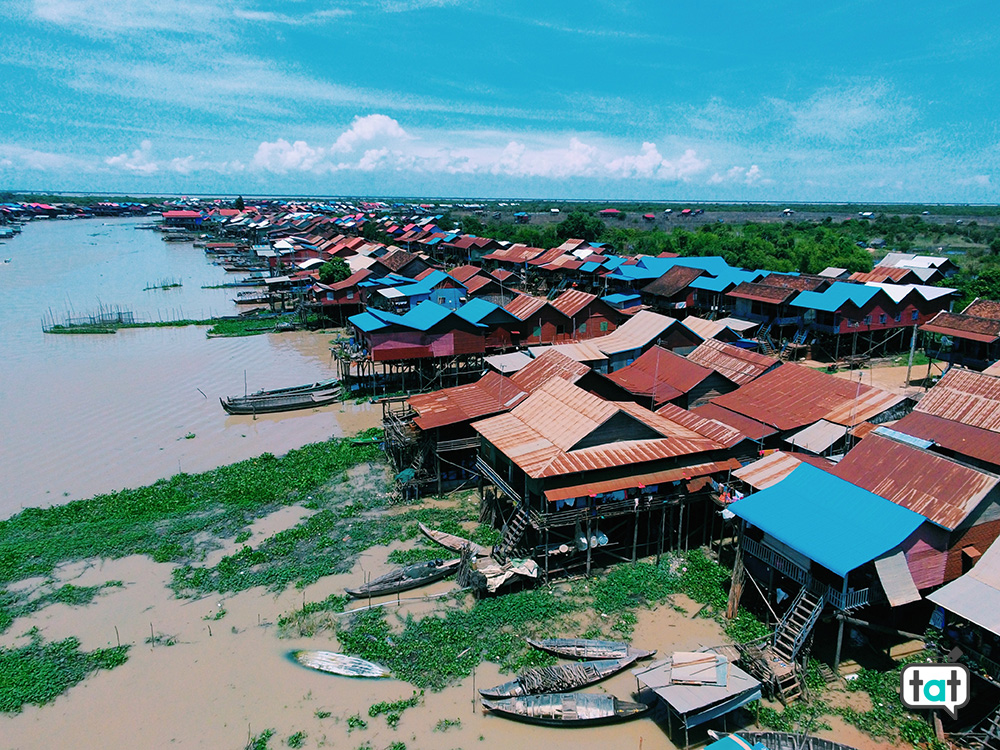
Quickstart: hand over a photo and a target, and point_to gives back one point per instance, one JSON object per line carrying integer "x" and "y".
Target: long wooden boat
{"x": 277, "y": 403}
{"x": 567, "y": 709}
{"x": 348, "y": 666}
{"x": 558, "y": 679}
{"x": 319, "y": 385}
{"x": 453, "y": 542}
{"x": 403, "y": 579}
{"x": 587, "y": 648}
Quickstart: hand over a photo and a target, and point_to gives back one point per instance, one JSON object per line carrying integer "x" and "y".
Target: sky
{"x": 590, "y": 99}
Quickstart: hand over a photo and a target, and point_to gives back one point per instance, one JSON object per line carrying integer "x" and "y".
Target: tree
{"x": 239, "y": 205}
{"x": 334, "y": 270}
{"x": 581, "y": 226}
{"x": 472, "y": 225}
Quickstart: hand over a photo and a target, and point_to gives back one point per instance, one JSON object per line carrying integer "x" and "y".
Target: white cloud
{"x": 282, "y": 156}
{"x": 751, "y": 176}
{"x": 367, "y": 129}
{"x": 850, "y": 113}
{"x": 29, "y": 158}
{"x": 139, "y": 161}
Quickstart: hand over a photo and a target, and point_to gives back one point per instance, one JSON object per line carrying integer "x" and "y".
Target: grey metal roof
{"x": 688, "y": 699}
{"x": 817, "y": 437}
{"x": 976, "y": 595}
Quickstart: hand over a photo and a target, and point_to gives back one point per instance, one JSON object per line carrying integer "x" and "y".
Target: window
{"x": 868, "y": 320}
{"x": 914, "y": 315}
{"x": 536, "y": 332}
{"x": 852, "y": 323}
{"x": 604, "y": 326}
{"x": 350, "y": 295}
{"x": 582, "y": 328}
{"x": 882, "y": 318}
{"x": 898, "y": 317}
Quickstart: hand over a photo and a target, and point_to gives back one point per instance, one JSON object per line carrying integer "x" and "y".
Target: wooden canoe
{"x": 452, "y": 542}
{"x": 586, "y": 648}
{"x": 348, "y": 666}
{"x": 403, "y": 579}
{"x": 566, "y": 709}
{"x": 559, "y": 679}
{"x": 267, "y": 404}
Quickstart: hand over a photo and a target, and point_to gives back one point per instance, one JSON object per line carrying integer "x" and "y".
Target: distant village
{"x": 612, "y": 407}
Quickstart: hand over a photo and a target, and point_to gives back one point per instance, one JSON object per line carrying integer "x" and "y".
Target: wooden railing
{"x": 501, "y": 485}
{"x": 458, "y": 444}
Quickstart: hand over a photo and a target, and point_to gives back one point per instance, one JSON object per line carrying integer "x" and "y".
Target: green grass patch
{"x": 40, "y": 671}
{"x": 171, "y": 520}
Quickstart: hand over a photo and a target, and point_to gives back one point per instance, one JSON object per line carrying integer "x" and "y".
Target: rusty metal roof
{"x": 983, "y": 308}
{"x": 515, "y": 254}
{"x": 703, "y": 425}
{"x": 572, "y": 302}
{"x": 963, "y": 327}
{"x": 739, "y": 365}
{"x": 491, "y": 394}
{"x": 677, "y": 279}
{"x": 579, "y": 351}
{"x": 942, "y": 490}
{"x": 552, "y": 363}
{"x": 662, "y": 373}
{"x": 965, "y": 396}
{"x": 641, "y": 480}
{"x": 793, "y": 396}
{"x": 750, "y": 427}
{"x": 464, "y": 273}
{"x": 709, "y": 329}
{"x": 963, "y": 439}
{"x": 639, "y": 331}
{"x": 540, "y": 433}
{"x": 523, "y": 306}
{"x": 771, "y": 469}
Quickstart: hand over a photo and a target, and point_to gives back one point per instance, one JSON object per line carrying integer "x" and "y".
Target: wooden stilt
{"x": 588, "y": 546}
{"x": 659, "y": 540}
{"x": 635, "y": 535}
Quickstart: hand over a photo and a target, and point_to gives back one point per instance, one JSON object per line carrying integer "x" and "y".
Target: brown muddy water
{"x": 86, "y": 414}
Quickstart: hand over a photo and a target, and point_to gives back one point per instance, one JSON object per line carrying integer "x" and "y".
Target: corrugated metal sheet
{"x": 695, "y": 702}
{"x": 976, "y": 595}
{"x": 637, "y": 332}
{"x": 750, "y": 427}
{"x": 963, "y": 439}
{"x": 710, "y": 428}
{"x": 942, "y": 490}
{"x": 965, "y": 396}
{"x": 508, "y": 363}
{"x": 757, "y": 292}
{"x": 896, "y": 580}
{"x": 739, "y": 365}
{"x": 641, "y": 480}
{"x": 963, "y": 327}
{"x": 572, "y": 302}
{"x": 660, "y": 374}
{"x": 578, "y": 351}
{"x": 794, "y": 396}
{"x": 771, "y": 469}
{"x": 491, "y": 394}
{"x": 539, "y": 433}
{"x": 708, "y": 329}
{"x": 550, "y": 364}
{"x": 523, "y": 306}
{"x": 818, "y": 437}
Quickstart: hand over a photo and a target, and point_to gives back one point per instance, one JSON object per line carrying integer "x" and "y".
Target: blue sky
{"x": 735, "y": 101}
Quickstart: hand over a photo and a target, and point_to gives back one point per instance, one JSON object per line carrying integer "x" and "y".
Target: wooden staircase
{"x": 513, "y": 530}
{"x": 796, "y": 625}
{"x": 766, "y": 344}
{"x": 797, "y": 340}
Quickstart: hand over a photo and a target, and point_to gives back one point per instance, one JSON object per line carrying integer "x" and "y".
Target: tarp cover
{"x": 830, "y": 521}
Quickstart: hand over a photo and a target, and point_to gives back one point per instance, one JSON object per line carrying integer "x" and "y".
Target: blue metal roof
{"x": 728, "y": 743}
{"x": 729, "y": 278}
{"x": 615, "y": 299}
{"x": 835, "y": 297}
{"x": 367, "y": 322}
{"x": 613, "y": 262}
{"x": 425, "y": 285}
{"x": 830, "y": 521}
{"x": 590, "y": 267}
{"x": 475, "y": 310}
{"x": 425, "y": 315}
{"x": 653, "y": 268}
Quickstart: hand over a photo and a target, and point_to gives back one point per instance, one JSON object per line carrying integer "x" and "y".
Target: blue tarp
{"x": 835, "y": 297}
{"x": 830, "y": 521}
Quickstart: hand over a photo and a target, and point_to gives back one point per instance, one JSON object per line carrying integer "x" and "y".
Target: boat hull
{"x": 339, "y": 664}
{"x": 564, "y": 678}
{"x": 567, "y": 709}
{"x": 264, "y": 404}
{"x": 586, "y": 648}
{"x": 404, "y": 579}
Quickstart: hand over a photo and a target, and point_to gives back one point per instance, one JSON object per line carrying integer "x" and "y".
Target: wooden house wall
{"x": 588, "y": 321}
{"x": 980, "y": 536}
{"x": 547, "y": 326}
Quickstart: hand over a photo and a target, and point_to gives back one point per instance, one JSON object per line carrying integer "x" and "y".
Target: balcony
{"x": 854, "y": 599}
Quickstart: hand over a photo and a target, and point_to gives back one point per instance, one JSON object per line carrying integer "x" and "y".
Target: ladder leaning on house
{"x": 789, "y": 637}
{"x": 513, "y": 530}
{"x": 797, "y": 340}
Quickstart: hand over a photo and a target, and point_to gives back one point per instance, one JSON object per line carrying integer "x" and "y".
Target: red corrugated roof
{"x": 750, "y": 427}
{"x": 942, "y": 490}
{"x": 676, "y": 280}
{"x": 762, "y": 292}
{"x": 962, "y": 439}
{"x": 660, "y": 372}
{"x": 703, "y": 425}
{"x": 493, "y": 393}
{"x": 464, "y": 273}
{"x": 795, "y": 396}
{"x": 572, "y": 302}
{"x": 549, "y": 365}
{"x": 965, "y": 396}
{"x": 771, "y": 469}
{"x": 523, "y": 306}
{"x": 739, "y": 365}
{"x": 514, "y": 254}
{"x": 983, "y": 308}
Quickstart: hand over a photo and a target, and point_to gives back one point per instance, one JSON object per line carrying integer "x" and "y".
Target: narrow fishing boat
{"x": 567, "y": 709}
{"x": 558, "y": 679}
{"x": 281, "y": 402}
{"x": 348, "y": 666}
{"x": 453, "y": 542}
{"x": 587, "y": 648}
{"x": 403, "y": 579}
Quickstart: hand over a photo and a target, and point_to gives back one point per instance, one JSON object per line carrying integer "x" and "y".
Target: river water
{"x": 84, "y": 414}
